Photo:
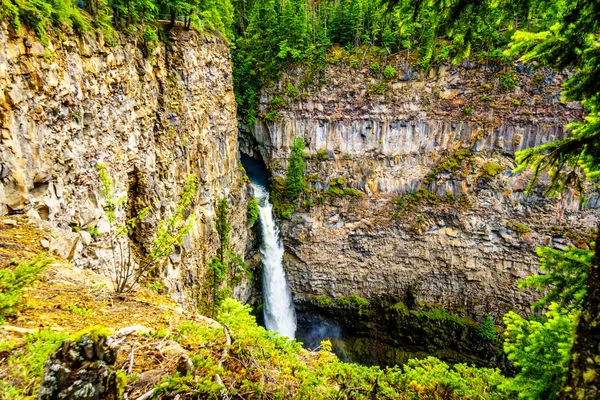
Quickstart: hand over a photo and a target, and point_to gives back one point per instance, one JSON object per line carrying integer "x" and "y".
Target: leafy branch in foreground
{"x": 170, "y": 233}
{"x": 12, "y": 282}
{"x": 568, "y": 159}
{"x": 542, "y": 349}
{"x": 564, "y": 279}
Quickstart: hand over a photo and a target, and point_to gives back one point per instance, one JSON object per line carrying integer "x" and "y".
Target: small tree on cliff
{"x": 223, "y": 227}
{"x": 294, "y": 182}
{"x": 126, "y": 271}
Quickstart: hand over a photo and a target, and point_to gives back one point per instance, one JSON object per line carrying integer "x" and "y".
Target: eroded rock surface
{"x": 151, "y": 118}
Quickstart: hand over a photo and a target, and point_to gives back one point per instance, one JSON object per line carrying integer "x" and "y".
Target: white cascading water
{"x": 279, "y": 307}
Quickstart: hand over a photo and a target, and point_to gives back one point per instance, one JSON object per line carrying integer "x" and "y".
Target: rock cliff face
{"x": 464, "y": 230}
{"x": 152, "y": 116}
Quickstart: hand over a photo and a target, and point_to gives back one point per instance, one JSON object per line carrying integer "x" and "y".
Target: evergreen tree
{"x": 294, "y": 182}
{"x": 573, "y": 43}
{"x": 223, "y": 227}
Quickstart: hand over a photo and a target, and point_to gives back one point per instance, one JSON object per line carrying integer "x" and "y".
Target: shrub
{"x": 170, "y": 232}
{"x": 278, "y": 102}
{"x": 292, "y": 91}
{"x": 252, "y": 211}
{"x": 389, "y": 72}
{"x": 294, "y": 181}
{"x": 12, "y": 282}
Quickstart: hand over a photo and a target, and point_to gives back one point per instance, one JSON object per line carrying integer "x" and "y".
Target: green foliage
{"x": 263, "y": 362}
{"x": 278, "y": 102}
{"x": 377, "y": 88}
{"x": 486, "y": 329}
{"x": 412, "y": 200}
{"x": 508, "y": 80}
{"x": 468, "y": 111}
{"x": 354, "y": 299}
{"x": 375, "y": 67}
{"x": 223, "y": 227}
{"x": 294, "y": 181}
{"x": 389, "y": 72}
{"x": 564, "y": 277}
{"x": 323, "y": 301}
{"x": 107, "y": 15}
{"x": 541, "y": 349}
{"x": 570, "y": 43}
{"x": 252, "y": 211}
{"x": 81, "y": 311}
{"x": 170, "y": 232}
{"x": 292, "y": 91}
{"x": 25, "y": 364}
{"x": 12, "y": 282}
{"x": 155, "y": 286}
{"x": 217, "y": 271}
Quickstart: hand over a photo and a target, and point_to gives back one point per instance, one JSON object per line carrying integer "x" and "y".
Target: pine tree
{"x": 223, "y": 227}
{"x": 573, "y": 43}
{"x": 294, "y": 182}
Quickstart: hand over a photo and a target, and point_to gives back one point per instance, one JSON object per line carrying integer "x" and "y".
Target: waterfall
{"x": 279, "y": 308}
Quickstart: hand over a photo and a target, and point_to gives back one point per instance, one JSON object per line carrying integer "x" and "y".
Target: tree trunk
{"x": 172, "y": 21}
{"x": 583, "y": 378}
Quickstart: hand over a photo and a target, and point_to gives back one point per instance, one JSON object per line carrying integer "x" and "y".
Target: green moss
{"x": 518, "y": 227}
{"x": 454, "y": 161}
{"x": 508, "y": 80}
{"x": 359, "y": 301}
{"x": 589, "y": 375}
{"x": 95, "y": 333}
{"x": 321, "y": 300}
{"x": 377, "y": 88}
{"x": 271, "y": 115}
{"x": 490, "y": 170}
{"x": 322, "y": 155}
{"x": 412, "y": 200}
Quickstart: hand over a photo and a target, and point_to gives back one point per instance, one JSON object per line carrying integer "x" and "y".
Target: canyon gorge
{"x": 415, "y": 225}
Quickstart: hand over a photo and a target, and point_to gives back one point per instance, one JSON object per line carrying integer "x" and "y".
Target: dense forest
{"x": 557, "y": 353}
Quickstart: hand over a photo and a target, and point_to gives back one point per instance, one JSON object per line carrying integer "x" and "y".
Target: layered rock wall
{"x": 469, "y": 235}
{"x": 153, "y": 116}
